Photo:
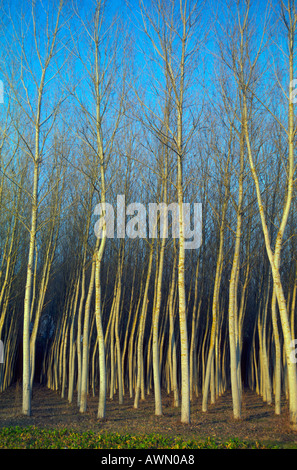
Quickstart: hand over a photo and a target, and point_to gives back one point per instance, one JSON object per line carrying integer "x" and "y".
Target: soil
{"x": 49, "y": 410}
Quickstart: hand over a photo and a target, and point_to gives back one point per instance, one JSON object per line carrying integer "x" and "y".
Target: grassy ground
{"x": 32, "y": 437}
{"x": 55, "y": 423}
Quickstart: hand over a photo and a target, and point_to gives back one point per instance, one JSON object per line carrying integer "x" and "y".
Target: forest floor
{"x": 49, "y": 410}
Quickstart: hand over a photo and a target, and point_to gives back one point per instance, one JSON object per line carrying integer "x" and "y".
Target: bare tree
{"x": 23, "y": 42}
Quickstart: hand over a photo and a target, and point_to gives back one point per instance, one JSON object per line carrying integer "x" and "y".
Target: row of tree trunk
{"x": 146, "y": 314}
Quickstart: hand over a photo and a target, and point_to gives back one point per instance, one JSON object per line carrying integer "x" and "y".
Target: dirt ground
{"x": 49, "y": 410}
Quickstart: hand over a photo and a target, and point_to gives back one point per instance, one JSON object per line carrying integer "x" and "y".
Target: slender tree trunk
{"x": 185, "y": 373}
{"x": 117, "y": 331}
{"x": 28, "y": 290}
{"x": 141, "y": 331}
{"x": 100, "y": 333}
{"x": 85, "y": 349}
{"x": 277, "y": 361}
{"x": 233, "y": 287}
